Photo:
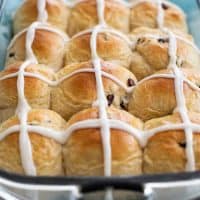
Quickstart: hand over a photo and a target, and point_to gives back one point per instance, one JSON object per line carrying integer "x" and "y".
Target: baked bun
{"x": 71, "y": 95}
{"x": 37, "y": 91}
{"x": 46, "y": 152}
{"x": 28, "y": 13}
{"x": 83, "y": 151}
{"x": 48, "y": 47}
{"x": 154, "y": 96}
{"x": 150, "y": 53}
{"x": 110, "y": 47}
{"x": 166, "y": 151}
{"x": 145, "y": 14}
{"x": 84, "y": 15}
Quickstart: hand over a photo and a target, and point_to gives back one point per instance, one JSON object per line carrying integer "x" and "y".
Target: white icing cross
{"x": 102, "y": 122}
{"x": 179, "y": 90}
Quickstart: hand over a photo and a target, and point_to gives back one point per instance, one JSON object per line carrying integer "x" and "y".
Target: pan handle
{"x": 146, "y": 193}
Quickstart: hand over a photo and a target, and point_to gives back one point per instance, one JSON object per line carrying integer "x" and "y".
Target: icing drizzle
{"x": 103, "y": 122}
{"x": 179, "y": 90}
{"x": 42, "y": 12}
{"x": 54, "y": 83}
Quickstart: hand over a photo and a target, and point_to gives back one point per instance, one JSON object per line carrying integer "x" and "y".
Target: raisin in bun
{"x": 78, "y": 89}
{"x": 48, "y": 47}
{"x": 145, "y": 14}
{"x": 166, "y": 151}
{"x": 47, "y": 153}
{"x": 84, "y": 15}
{"x": 154, "y": 96}
{"x": 151, "y": 52}
{"x": 37, "y": 91}
{"x": 28, "y": 13}
{"x": 110, "y": 47}
{"x": 83, "y": 151}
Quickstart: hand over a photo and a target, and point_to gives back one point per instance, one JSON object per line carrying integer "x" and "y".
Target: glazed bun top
{"x": 151, "y": 51}
{"x": 111, "y": 46}
{"x": 125, "y": 16}
{"x": 47, "y": 43}
{"x": 171, "y": 145}
{"x": 156, "y": 96}
{"x": 90, "y": 81}
{"x": 77, "y": 16}
{"x": 70, "y": 95}
{"x": 84, "y": 15}
{"x": 146, "y": 13}
{"x": 37, "y": 151}
{"x": 36, "y": 91}
{"x": 57, "y": 13}
{"x": 87, "y": 146}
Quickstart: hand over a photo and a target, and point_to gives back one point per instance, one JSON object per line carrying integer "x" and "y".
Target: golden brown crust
{"x": 37, "y": 92}
{"x": 47, "y": 46}
{"x": 47, "y": 153}
{"x": 84, "y": 16}
{"x": 145, "y": 14}
{"x": 110, "y": 48}
{"x": 57, "y": 14}
{"x": 165, "y": 151}
{"x": 155, "y": 97}
{"x": 72, "y": 96}
{"x": 83, "y": 152}
{"x": 152, "y": 54}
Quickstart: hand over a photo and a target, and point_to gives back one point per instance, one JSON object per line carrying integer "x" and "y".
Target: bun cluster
{"x": 105, "y": 87}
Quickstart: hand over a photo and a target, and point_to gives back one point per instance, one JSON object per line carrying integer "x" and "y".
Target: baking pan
{"x": 183, "y": 186}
